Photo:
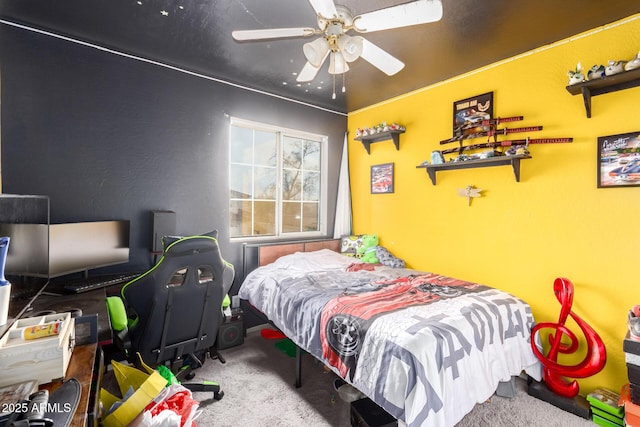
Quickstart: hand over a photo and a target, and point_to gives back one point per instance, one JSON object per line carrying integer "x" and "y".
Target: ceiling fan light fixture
{"x": 316, "y": 51}
{"x": 334, "y": 21}
{"x": 337, "y": 64}
{"x": 350, "y": 47}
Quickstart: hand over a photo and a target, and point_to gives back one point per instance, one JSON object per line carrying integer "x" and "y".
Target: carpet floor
{"x": 258, "y": 382}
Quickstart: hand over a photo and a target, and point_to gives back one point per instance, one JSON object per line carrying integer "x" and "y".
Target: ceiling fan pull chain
{"x": 344, "y": 88}
{"x": 333, "y": 96}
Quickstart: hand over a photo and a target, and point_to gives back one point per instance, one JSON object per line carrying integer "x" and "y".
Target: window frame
{"x": 282, "y": 132}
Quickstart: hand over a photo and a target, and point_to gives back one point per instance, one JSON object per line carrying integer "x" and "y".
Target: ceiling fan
{"x": 335, "y": 21}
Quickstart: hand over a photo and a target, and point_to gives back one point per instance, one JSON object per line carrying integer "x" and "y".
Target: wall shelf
{"x": 605, "y": 84}
{"x": 393, "y": 135}
{"x": 514, "y": 161}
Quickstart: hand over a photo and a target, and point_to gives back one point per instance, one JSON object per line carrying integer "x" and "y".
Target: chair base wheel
{"x": 215, "y": 354}
{"x": 218, "y": 395}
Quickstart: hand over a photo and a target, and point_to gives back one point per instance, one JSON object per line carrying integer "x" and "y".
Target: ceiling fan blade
{"x": 324, "y": 8}
{"x": 379, "y": 58}
{"x": 272, "y": 33}
{"x": 404, "y": 15}
{"x": 307, "y": 73}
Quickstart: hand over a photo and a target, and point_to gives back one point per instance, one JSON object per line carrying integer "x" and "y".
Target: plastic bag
{"x": 174, "y": 407}
{"x": 165, "y": 418}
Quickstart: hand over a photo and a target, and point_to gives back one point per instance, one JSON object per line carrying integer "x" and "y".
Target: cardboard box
{"x": 41, "y": 359}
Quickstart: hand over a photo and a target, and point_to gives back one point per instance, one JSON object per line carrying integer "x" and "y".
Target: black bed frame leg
{"x": 298, "y": 367}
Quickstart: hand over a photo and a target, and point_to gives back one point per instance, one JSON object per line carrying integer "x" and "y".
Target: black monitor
{"x": 43, "y": 250}
{"x": 83, "y": 246}
{"x": 25, "y": 219}
{"x": 28, "y": 254}
{"x": 40, "y": 250}
{"x": 24, "y": 209}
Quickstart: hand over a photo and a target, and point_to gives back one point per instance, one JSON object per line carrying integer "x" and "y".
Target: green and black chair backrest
{"x": 177, "y": 303}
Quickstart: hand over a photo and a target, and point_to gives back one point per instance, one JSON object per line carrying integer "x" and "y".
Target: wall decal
{"x": 469, "y": 192}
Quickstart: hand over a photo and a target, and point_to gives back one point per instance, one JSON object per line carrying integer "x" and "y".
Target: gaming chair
{"x": 171, "y": 314}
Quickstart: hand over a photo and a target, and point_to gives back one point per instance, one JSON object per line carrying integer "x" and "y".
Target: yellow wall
{"x": 518, "y": 237}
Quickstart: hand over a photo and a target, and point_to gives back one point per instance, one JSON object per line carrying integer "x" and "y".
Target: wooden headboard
{"x": 269, "y": 253}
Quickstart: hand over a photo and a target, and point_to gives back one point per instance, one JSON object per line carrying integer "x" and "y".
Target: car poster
{"x": 469, "y": 113}
{"x": 619, "y": 160}
{"x": 382, "y": 178}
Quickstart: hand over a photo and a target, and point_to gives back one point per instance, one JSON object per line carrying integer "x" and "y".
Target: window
{"x": 277, "y": 181}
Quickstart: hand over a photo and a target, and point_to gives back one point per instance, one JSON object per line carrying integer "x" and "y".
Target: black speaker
{"x": 231, "y": 332}
{"x": 164, "y": 224}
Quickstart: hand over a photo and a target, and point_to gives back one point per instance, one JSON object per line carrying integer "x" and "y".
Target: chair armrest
{"x": 228, "y": 274}
{"x": 119, "y": 322}
{"x": 117, "y": 313}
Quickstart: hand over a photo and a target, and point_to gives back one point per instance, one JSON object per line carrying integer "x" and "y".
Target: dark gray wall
{"x": 110, "y": 137}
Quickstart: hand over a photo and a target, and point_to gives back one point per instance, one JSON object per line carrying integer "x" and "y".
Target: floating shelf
{"x": 393, "y": 135}
{"x": 514, "y": 161}
{"x": 605, "y": 84}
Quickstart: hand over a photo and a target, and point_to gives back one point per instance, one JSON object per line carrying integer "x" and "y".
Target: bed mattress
{"x": 423, "y": 346}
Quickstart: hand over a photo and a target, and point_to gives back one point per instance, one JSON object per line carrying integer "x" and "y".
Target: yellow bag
{"x": 147, "y": 386}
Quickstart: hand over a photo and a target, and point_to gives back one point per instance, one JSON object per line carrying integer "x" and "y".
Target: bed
{"x": 423, "y": 346}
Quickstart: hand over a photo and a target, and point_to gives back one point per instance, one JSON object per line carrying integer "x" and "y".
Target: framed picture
{"x": 382, "y": 178}
{"x": 469, "y": 113}
{"x": 619, "y": 160}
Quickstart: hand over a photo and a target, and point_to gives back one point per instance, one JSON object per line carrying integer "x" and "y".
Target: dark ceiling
{"x": 195, "y": 35}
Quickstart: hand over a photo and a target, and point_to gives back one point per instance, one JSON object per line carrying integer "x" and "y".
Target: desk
{"x": 87, "y": 361}
{"x": 91, "y": 302}
{"x": 82, "y": 357}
